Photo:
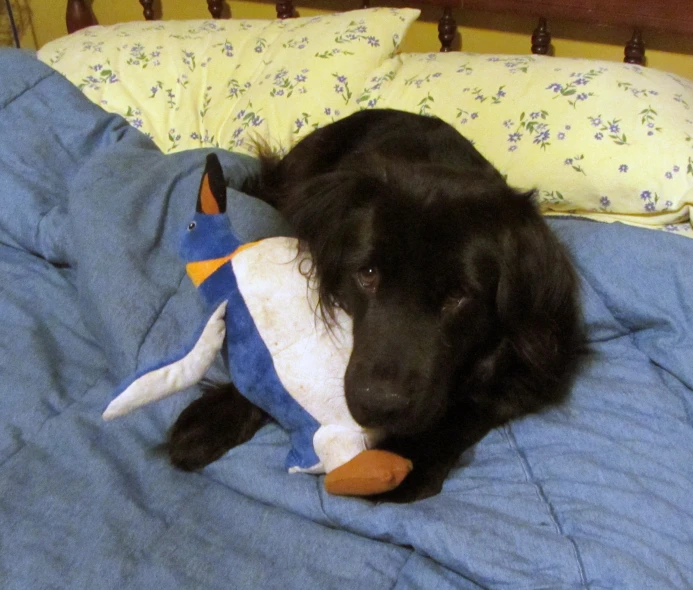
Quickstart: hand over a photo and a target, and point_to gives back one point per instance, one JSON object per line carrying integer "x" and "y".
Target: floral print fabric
{"x": 225, "y": 83}
{"x": 604, "y": 140}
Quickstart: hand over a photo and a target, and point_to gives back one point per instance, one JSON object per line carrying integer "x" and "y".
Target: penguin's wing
{"x": 171, "y": 376}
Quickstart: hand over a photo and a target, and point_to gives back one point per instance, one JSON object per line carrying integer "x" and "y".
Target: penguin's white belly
{"x": 310, "y": 360}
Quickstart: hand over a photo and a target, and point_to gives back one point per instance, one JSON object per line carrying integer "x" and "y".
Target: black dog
{"x": 463, "y": 302}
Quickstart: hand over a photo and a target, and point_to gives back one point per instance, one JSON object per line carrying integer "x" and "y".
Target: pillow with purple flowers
{"x": 221, "y": 83}
{"x": 605, "y": 140}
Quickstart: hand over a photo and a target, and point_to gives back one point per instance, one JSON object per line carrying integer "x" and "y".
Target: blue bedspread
{"x": 596, "y": 494}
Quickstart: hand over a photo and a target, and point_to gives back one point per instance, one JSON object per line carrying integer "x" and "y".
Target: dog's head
{"x": 454, "y": 283}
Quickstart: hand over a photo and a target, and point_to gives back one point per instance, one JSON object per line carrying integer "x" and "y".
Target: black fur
{"x": 211, "y": 425}
{"x": 463, "y": 301}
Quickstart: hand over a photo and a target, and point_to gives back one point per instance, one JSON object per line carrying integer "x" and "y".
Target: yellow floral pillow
{"x": 220, "y": 83}
{"x": 605, "y": 140}
{"x": 600, "y": 139}
{"x": 312, "y": 76}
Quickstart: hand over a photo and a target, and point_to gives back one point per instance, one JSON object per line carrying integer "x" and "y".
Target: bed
{"x": 102, "y": 142}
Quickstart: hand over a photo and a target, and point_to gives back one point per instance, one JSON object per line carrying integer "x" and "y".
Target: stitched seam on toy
{"x": 243, "y": 247}
{"x": 529, "y": 476}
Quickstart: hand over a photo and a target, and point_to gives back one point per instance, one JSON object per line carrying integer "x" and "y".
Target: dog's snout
{"x": 393, "y": 402}
{"x": 378, "y": 403}
{"x": 385, "y": 398}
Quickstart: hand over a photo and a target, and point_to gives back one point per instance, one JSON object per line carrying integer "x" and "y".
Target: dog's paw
{"x": 212, "y": 425}
{"x": 194, "y": 442}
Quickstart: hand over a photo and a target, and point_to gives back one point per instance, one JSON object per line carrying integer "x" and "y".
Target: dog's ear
{"x": 538, "y": 314}
{"x": 330, "y": 215}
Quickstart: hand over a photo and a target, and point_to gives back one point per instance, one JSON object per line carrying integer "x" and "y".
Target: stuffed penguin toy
{"x": 279, "y": 354}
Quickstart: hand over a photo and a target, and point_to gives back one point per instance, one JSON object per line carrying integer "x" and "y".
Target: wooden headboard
{"x": 642, "y": 16}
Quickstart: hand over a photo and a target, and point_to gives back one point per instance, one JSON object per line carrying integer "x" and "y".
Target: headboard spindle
{"x": 215, "y": 7}
{"x": 635, "y": 49}
{"x": 285, "y": 9}
{"x": 541, "y": 39}
{"x": 78, "y": 15}
{"x": 148, "y": 6}
{"x": 447, "y": 29}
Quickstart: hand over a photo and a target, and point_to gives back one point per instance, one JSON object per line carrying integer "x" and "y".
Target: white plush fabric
{"x": 310, "y": 359}
{"x": 176, "y": 376}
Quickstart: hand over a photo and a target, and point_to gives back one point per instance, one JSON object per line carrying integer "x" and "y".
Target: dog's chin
{"x": 408, "y": 427}
{"x": 404, "y": 424}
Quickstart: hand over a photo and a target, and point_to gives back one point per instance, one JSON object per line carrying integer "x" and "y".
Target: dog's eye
{"x": 368, "y": 279}
{"x": 454, "y": 301}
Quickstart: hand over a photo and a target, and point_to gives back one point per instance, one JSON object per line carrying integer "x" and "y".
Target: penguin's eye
{"x": 192, "y": 226}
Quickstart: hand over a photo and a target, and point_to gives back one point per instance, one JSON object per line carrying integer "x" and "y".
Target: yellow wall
{"x": 44, "y": 20}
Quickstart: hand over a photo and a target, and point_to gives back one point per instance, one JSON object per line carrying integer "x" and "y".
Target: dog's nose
{"x": 377, "y": 404}
{"x": 389, "y": 401}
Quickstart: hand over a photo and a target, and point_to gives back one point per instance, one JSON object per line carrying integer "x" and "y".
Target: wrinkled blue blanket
{"x": 597, "y": 494}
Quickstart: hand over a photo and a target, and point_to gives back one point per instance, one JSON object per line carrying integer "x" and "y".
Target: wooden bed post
{"x": 635, "y": 49}
{"x": 148, "y": 6}
{"x": 541, "y": 39}
{"x": 78, "y": 15}
{"x": 285, "y": 9}
{"x": 447, "y": 28}
{"x": 216, "y": 7}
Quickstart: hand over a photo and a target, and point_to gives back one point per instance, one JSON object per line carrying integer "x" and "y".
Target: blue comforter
{"x": 596, "y": 494}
